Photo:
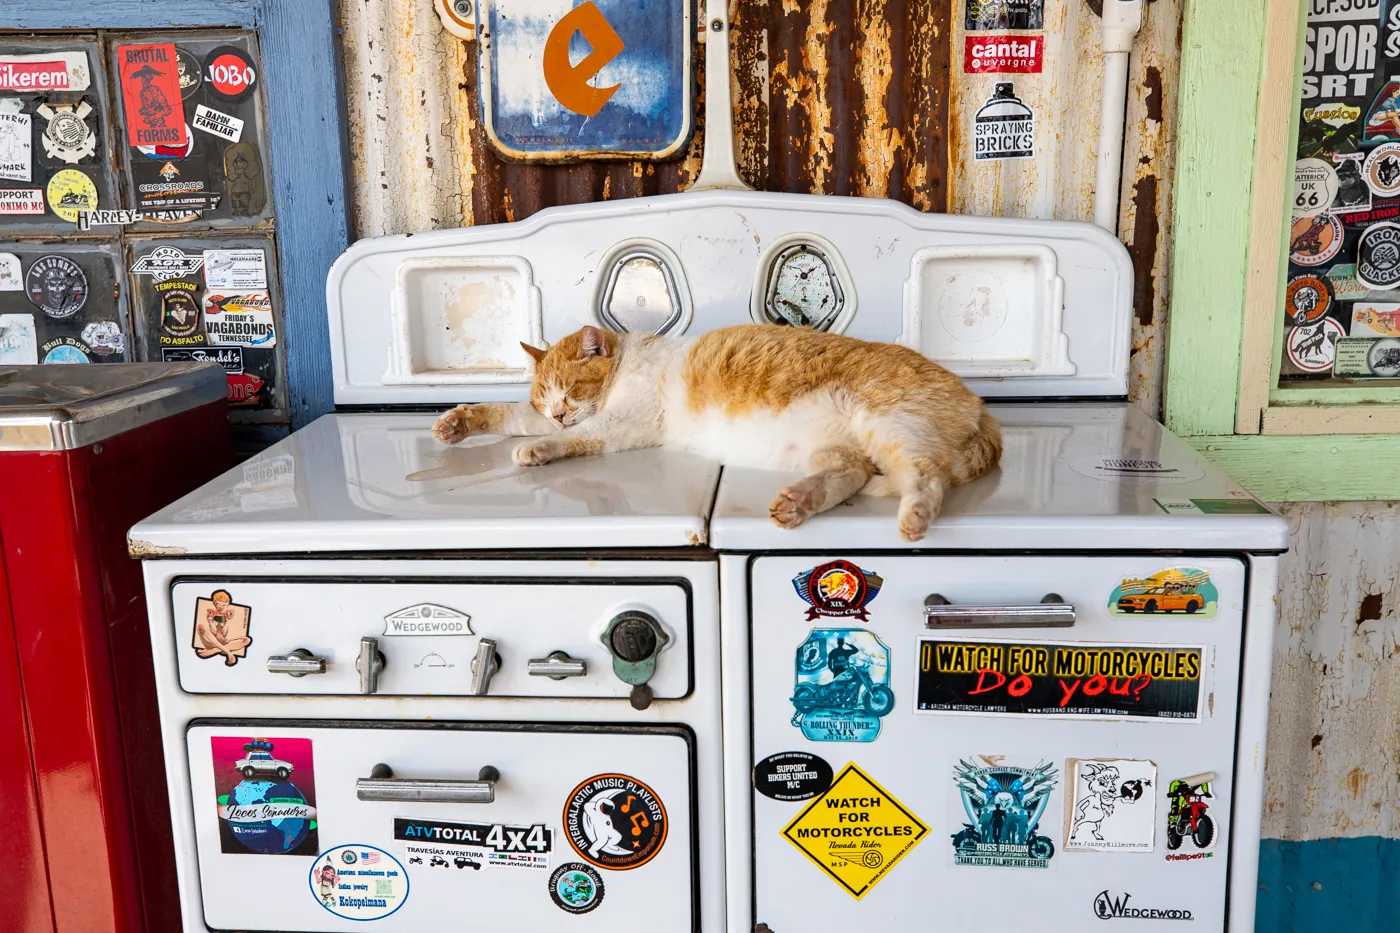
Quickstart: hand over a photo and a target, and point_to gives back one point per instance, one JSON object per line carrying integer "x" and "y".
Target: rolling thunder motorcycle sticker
{"x": 266, "y": 795}
{"x": 842, "y": 685}
{"x": 1190, "y": 828}
{"x": 615, "y": 821}
{"x": 838, "y": 589}
{"x": 1002, "y": 806}
{"x": 359, "y": 882}
{"x": 1114, "y": 806}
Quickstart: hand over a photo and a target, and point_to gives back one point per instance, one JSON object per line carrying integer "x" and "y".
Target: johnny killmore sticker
{"x": 1114, "y": 805}
{"x": 1004, "y": 128}
{"x": 792, "y": 776}
{"x": 615, "y": 821}
{"x": 576, "y": 888}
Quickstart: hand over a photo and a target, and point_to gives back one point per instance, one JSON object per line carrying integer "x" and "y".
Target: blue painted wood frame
{"x": 307, "y": 129}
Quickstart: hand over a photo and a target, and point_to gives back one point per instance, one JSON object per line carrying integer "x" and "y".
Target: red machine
{"x": 85, "y": 452}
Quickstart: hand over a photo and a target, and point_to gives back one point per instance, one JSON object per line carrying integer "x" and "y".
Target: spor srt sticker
{"x": 265, "y": 790}
{"x": 1001, "y": 808}
{"x": 838, "y": 589}
{"x": 1185, "y": 590}
{"x": 615, "y": 821}
{"x": 841, "y": 690}
{"x": 221, "y": 628}
{"x": 576, "y": 888}
{"x": 359, "y": 882}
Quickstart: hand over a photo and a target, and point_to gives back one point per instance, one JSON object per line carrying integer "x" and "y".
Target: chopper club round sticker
{"x": 615, "y": 821}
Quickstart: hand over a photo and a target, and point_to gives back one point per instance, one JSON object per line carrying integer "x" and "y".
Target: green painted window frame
{"x": 1235, "y": 136}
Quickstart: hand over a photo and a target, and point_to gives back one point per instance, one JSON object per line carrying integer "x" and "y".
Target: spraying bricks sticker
{"x": 792, "y": 776}
{"x": 1004, "y": 14}
{"x": 1138, "y": 471}
{"x": 150, "y": 82}
{"x": 615, "y": 821}
{"x": 987, "y": 55}
{"x": 16, "y": 146}
{"x": 266, "y": 795}
{"x": 841, "y": 690}
{"x": 576, "y": 888}
{"x": 1191, "y": 833}
{"x": 1004, "y": 127}
{"x": 838, "y": 589}
{"x": 1041, "y": 678}
{"x": 474, "y": 845}
{"x": 221, "y": 626}
{"x": 47, "y": 71}
{"x": 1113, "y": 805}
{"x": 216, "y": 123}
{"x": 1001, "y": 807}
{"x": 856, "y": 832}
{"x": 359, "y": 882}
{"x": 1173, "y": 591}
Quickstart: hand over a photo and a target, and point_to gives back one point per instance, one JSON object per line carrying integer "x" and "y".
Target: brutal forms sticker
{"x": 615, "y": 821}
{"x": 1035, "y": 678}
{"x": 1314, "y": 240}
{"x": 150, "y": 80}
{"x": 1002, "y": 806}
{"x": 67, "y": 137}
{"x": 427, "y": 619}
{"x": 1003, "y": 54}
{"x": 359, "y": 882}
{"x": 1137, "y": 471}
{"x": 576, "y": 888}
{"x": 841, "y": 689}
{"x": 266, "y": 795}
{"x": 1378, "y": 256}
{"x": 1313, "y": 349}
{"x": 856, "y": 832}
{"x": 792, "y": 776}
{"x": 1114, "y": 805}
{"x": 1004, "y": 128}
{"x": 469, "y": 845}
{"x": 1314, "y": 187}
{"x": 230, "y": 74}
{"x": 57, "y": 285}
{"x": 1189, "y": 822}
{"x": 838, "y": 589}
{"x": 1307, "y": 298}
{"x": 221, "y": 627}
{"x": 1176, "y": 589}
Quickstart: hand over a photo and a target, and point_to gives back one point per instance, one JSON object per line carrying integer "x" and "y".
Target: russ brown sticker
{"x": 1314, "y": 240}
{"x": 615, "y": 821}
{"x": 265, "y": 790}
{"x": 838, "y": 589}
{"x": 221, "y": 627}
{"x": 1042, "y": 678}
{"x": 1001, "y": 807}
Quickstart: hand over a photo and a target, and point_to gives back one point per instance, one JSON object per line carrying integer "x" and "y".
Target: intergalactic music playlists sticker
{"x": 57, "y": 286}
{"x": 1001, "y": 807}
{"x": 151, "y": 94}
{"x": 221, "y": 628}
{"x": 1314, "y": 240}
{"x": 838, "y": 589}
{"x": 792, "y": 776}
{"x": 1041, "y": 678}
{"x": 615, "y": 821}
{"x": 576, "y": 888}
{"x": 1113, "y": 805}
{"x": 359, "y": 882}
{"x": 1307, "y": 298}
{"x": 266, "y": 795}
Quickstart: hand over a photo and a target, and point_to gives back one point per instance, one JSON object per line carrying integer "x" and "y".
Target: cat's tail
{"x": 983, "y": 451}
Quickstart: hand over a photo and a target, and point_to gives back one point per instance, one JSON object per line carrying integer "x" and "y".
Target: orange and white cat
{"x": 856, "y": 416}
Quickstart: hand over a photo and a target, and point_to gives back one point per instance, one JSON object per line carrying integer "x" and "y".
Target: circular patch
{"x": 1306, "y": 299}
{"x": 1384, "y": 358}
{"x": 1313, "y": 348}
{"x": 57, "y": 285}
{"x": 615, "y": 821}
{"x": 576, "y": 888}
{"x": 170, "y": 152}
{"x": 105, "y": 337}
{"x": 191, "y": 74}
{"x": 65, "y": 350}
{"x": 230, "y": 73}
{"x": 1382, "y": 170}
{"x": 1314, "y": 240}
{"x": 792, "y": 776}
{"x": 1378, "y": 256}
{"x": 1315, "y": 187}
{"x": 71, "y": 191}
{"x": 365, "y": 884}
{"x": 179, "y": 312}
{"x": 67, "y": 136}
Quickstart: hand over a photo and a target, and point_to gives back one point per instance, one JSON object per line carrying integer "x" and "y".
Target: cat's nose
{"x": 560, "y": 417}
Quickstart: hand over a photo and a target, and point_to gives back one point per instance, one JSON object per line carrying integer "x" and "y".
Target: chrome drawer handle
{"x": 1051, "y": 612}
{"x": 557, "y": 666}
{"x": 370, "y": 664}
{"x": 382, "y": 785}
{"x": 298, "y": 664}
{"x": 484, "y": 666}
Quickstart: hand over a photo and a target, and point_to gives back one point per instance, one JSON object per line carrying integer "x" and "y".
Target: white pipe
{"x": 1122, "y": 20}
{"x": 718, "y": 168}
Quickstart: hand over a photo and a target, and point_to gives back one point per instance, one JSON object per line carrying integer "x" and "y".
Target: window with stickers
{"x": 136, "y": 217}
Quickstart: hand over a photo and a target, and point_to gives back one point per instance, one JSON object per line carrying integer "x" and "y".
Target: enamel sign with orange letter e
{"x": 564, "y": 80}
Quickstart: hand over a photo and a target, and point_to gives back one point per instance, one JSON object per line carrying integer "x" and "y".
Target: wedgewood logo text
{"x": 1107, "y": 907}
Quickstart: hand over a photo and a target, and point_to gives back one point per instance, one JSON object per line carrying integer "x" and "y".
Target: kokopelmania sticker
{"x": 1114, "y": 805}
{"x": 57, "y": 286}
{"x": 576, "y": 888}
{"x": 1001, "y": 807}
{"x": 1367, "y": 358}
{"x": 1378, "y": 256}
{"x": 67, "y": 136}
{"x": 1004, "y": 14}
{"x": 1004, "y": 127}
{"x": 791, "y": 776}
{"x": 66, "y": 349}
{"x": 244, "y": 174}
{"x": 838, "y": 589}
{"x": 441, "y": 844}
{"x": 266, "y": 790}
{"x": 615, "y": 821}
{"x": 1307, "y": 298}
{"x": 841, "y": 690}
{"x": 19, "y": 341}
{"x": 221, "y": 627}
{"x": 16, "y": 147}
{"x": 71, "y": 191}
{"x": 1041, "y": 678}
{"x": 154, "y": 104}
{"x": 1314, "y": 240}
{"x": 359, "y": 882}
{"x": 1314, "y": 187}
{"x": 1313, "y": 348}
{"x": 1188, "y": 818}
{"x": 1375, "y": 320}
{"x": 856, "y": 832}
{"x": 1137, "y": 471}
{"x": 1177, "y": 589}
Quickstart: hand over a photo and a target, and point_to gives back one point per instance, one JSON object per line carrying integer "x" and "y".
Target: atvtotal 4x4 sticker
{"x": 1113, "y": 805}
{"x": 841, "y": 688}
{"x": 359, "y": 882}
{"x": 1001, "y": 807}
{"x": 615, "y": 821}
{"x": 266, "y": 795}
{"x": 1184, "y": 590}
{"x": 443, "y": 844}
{"x": 1041, "y": 678}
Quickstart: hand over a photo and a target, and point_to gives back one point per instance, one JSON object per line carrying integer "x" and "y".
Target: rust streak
{"x": 1143, "y": 248}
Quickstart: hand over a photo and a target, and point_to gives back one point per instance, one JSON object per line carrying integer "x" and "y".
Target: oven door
{"x": 1043, "y": 738}
{"x": 443, "y": 826}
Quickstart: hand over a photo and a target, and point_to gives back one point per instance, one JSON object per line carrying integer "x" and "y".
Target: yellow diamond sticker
{"x": 855, "y": 832}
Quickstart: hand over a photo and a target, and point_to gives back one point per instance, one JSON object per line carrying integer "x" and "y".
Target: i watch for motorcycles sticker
{"x": 1039, "y": 678}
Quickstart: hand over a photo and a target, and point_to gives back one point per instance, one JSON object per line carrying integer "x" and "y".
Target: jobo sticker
{"x": 266, "y": 795}
{"x": 230, "y": 74}
{"x": 615, "y": 821}
{"x": 841, "y": 689}
{"x": 359, "y": 882}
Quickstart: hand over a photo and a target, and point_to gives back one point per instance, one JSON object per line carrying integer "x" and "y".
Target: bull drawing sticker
{"x": 266, "y": 795}
{"x": 1114, "y": 805}
{"x": 221, "y": 627}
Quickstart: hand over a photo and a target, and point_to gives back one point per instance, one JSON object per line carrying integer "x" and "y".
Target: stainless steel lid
{"x": 66, "y": 407}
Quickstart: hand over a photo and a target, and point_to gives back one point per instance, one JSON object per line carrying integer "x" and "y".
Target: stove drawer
{"x": 323, "y": 636}
{"x": 446, "y": 826}
{"x": 1038, "y": 685}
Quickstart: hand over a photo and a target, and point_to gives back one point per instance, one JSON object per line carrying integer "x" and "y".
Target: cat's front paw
{"x": 792, "y": 507}
{"x": 454, "y": 426}
{"x": 534, "y": 453}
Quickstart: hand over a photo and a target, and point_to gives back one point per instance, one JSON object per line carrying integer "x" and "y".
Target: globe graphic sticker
{"x": 266, "y": 795}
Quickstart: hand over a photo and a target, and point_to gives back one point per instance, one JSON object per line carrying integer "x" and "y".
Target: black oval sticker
{"x": 792, "y": 776}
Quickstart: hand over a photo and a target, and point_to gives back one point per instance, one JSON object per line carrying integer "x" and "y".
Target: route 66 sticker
{"x": 1314, "y": 187}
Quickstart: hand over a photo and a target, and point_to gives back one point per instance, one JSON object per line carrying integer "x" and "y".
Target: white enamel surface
{"x": 720, "y": 237}
{"x": 1035, "y": 499}
{"x": 532, "y": 618}
{"x": 380, "y": 482}
{"x": 699, "y": 712}
{"x": 914, "y": 756}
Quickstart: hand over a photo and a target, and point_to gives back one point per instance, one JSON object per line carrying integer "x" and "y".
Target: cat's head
{"x": 570, "y": 376}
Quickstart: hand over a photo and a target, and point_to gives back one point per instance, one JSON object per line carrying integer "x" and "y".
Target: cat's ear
{"x": 536, "y": 353}
{"x": 595, "y": 343}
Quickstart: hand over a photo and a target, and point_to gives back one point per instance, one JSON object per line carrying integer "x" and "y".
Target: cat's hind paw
{"x": 792, "y": 507}
{"x": 453, "y": 427}
{"x": 534, "y": 453}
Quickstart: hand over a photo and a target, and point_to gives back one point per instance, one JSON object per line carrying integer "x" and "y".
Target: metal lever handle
{"x": 370, "y": 664}
{"x": 299, "y": 663}
{"x": 557, "y": 666}
{"x": 382, "y": 785}
{"x": 484, "y": 667}
{"x": 1051, "y": 612}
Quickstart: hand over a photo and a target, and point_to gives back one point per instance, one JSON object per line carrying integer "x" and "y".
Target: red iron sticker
{"x": 988, "y": 55}
{"x": 150, "y": 79}
{"x": 838, "y": 589}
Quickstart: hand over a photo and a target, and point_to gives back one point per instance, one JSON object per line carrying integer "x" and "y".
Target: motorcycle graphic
{"x": 855, "y": 691}
{"x": 1188, "y": 817}
{"x": 841, "y": 690}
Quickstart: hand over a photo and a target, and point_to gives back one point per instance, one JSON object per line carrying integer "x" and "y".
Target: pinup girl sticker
{"x": 221, "y": 627}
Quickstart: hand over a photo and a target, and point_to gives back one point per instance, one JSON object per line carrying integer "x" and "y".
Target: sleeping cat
{"x": 856, "y": 416}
